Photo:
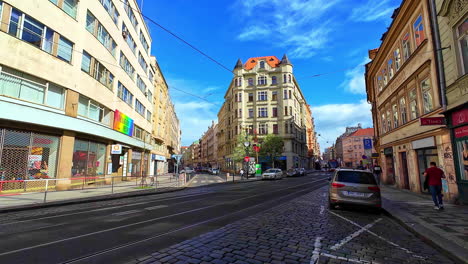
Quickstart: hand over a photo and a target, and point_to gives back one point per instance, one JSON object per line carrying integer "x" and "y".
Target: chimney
{"x": 373, "y": 53}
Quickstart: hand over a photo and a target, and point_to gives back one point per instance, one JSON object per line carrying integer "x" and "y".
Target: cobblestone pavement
{"x": 304, "y": 231}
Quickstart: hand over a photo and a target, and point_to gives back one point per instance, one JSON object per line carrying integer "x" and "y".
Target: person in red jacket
{"x": 434, "y": 179}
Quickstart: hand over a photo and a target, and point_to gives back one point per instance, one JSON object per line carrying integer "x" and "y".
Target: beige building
{"x": 354, "y": 148}
{"x": 403, "y": 87}
{"x": 453, "y": 27}
{"x": 209, "y": 147}
{"x": 264, "y": 98}
{"x": 313, "y": 147}
{"x": 74, "y": 80}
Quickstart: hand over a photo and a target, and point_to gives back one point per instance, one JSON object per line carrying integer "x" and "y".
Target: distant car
{"x": 187, "y": 170}
{"x": 358, "y": 187}
{"x": 301, "y": 171}
{"x": 214, "y": 171}
{"x": 292, "y": 173}
{"x": 272, "y": 174}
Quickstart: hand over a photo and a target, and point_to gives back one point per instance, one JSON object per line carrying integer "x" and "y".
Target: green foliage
{"x": 272, "y": 146}
{"x": 238, "y": 153}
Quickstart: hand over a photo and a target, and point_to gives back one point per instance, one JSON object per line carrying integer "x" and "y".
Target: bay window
{"x": 413, "y": 104}
{"x": 418, "y": 28}
{"x": 397, "y": 56}
{"x": 403, "y": 111}
{"x": 406, "y": 46}
{"x": 395, "y": 115}
{"x": 426, "y": 93}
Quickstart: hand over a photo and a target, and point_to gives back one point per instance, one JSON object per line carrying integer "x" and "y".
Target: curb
{"x": 431, "y": 238}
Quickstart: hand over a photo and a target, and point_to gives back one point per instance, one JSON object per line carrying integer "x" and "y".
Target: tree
{"x": 238, "y": 152}
{"x": 272, "y": 146}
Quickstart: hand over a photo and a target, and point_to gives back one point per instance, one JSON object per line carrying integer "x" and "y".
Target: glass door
{"x": 425, "y": 157}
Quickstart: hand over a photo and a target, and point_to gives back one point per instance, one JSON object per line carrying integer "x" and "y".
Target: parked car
{"x": 301, "y": 171}
{"x": 215, "y": 171}
{"x": 292, "y": 173}
{"x": 272, "y": 174}
{"x": 358, "y": 187}
{"x": 187, "y": 170}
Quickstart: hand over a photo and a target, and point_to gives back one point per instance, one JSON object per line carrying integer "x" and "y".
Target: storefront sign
{"x": 461, "y": 132}
{"x": 116, "y": 149}
{"x": 136, "y": 155}
{"x": 375, "y": 155}
{"x": 388, "y": 151}
{"x": 158, "y": 157}
{"x": 423, "y": 143}
{"x": 367, "y": 143}
{"x": 432, "y": 121}
{"x": 460, "y": 117}
{"x": 123, "y": 123}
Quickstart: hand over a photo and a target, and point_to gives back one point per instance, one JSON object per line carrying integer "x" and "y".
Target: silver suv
{"x": 348, "y": 186}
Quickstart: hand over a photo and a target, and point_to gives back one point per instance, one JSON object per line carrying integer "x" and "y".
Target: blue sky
{"x": 319, "y": 36}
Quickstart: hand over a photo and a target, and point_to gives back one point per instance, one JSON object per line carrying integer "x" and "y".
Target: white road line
{"x": 345, "y": 259}
{"x": 150, "y": 220}
{"x": 155, "y": 207}
{"x": 203, "y": 181}
{"x": 316, "y": 253}
{"x": 126, "y": 212}
{"x": 378, "y": 236}
{"x": 322, "y": 208}
{"x": 211, "y": 181}
{"x": 355, "y": 234}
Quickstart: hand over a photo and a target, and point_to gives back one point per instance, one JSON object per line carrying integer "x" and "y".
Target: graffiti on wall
{"x": 449, "y": 168}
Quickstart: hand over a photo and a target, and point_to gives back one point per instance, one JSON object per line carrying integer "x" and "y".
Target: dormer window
{"x": 262, "y": 65}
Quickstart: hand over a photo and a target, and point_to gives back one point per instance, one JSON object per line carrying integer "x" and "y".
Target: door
{"x": 404, "y": 166}
{"x": 389, "y": 169}
{"x": 425, "y": 157}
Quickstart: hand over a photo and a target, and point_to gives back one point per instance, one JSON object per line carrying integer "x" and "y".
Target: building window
{"x": 262, "y": 129}
{"x": 289, "y": 78}
{"x": 124, "y": 94}
{"x": 290, "y": 110}
{"x": 250, "y": 113}
{"x": 148, "y": 115}
{"x": 130, "y": 14}
{"x": 127, "y": 66}
{"x": 236, "y": 82}
{"x": 285, "y": 94}
{"x": 406, "y": 46}
{"x": 290, "y": 94}
{"x": 262, "y": 80}
{"x": 140, "y": 108}
{"x": 390, "y": 69}
{"x": 395, "y": 115}
{"x": 462, "y": 40}
{"x": 413, "y": 104}
{"x": 96, "y": 70}
{"x": 275, "y": 112}
{"x": 262, "y": 112}
{"x": 418, "y": 27}
{"x": 250, "y": 129}
{"x": 26, "y": 87}
{"x": 427, "y": 96}
{"x": 397, "y": 56}
{"x": 285, "y": 110}
{"x": 89, "y": 158}
{"x": 93, "y": 110}
{"x": 97, "y": 29}
{"x": 389, "y": 120}
{"x": 149, "y": 95}
{"x": 144, "y": 42}
{"x": 380, "y": 83}
{"x": 250, "y": 80}
{"x": 251, "y": 97}
{"x": 262, "y": 65}
{"x": 385, "y": 79}
{"x": 403, "y": 111}
{"x": 240, "y": 112}
{"x": 111, "y": 10}
{"x": 284, "y": 78}
{"x": 142, "y": 62}
{"x": 68, "y": 6}
{"x": 239, "y": 96}
{"x": 384, "y": 123}
{"x": 128, "y": 38}
{"x": 262, "y": 96}
{"x": 274, "y": 80}
{"x": 140, "y": 84}
{"x": 275, "y": 128}
{"x": 286, "y": 128}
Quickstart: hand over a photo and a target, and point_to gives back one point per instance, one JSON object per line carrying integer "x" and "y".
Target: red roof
{"x": 363, "y": 132}
{"x": 271, "y": 60}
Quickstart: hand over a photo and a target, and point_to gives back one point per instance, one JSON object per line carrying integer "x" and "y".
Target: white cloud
{"x": 195, "y": 114}
{"x": 300, "y": 26}
{"x": 372, "y": 11}
{"x": 331, "y": 120}
{"x": 355, "y": 80}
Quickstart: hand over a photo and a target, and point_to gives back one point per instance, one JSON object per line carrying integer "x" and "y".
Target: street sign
{"x": 246, "y": 159}
{"x": 432, "y": 121}
{"x": 364, "y": 157}
{"x": 375, "y": 155}
{"x": 116, "y": 149}
{"x": 256, "y": 148}
{"x": 177, "y": 157}
{"x": 367, "y": 143}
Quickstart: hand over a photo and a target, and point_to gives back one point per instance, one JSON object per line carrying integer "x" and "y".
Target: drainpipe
{"x": 438, "y": 54}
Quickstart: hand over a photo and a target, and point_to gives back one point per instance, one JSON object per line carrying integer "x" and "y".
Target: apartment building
{"x": 358, "y": 148}
{"x": 74, "y": 81}
{"x": 339, "y": 151}
{"x": 453, "y": 27}
{"x": 209, "y": 149}
{"x": 313, "y": 147}
{"x": 264, "y": 98}
{"x": 402, "y": 85}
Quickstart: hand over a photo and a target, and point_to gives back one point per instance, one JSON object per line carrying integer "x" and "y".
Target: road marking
{"x": 154, "y": 219}
{"x": 322, "y": 208}
{"x": 355, "y": 234}
{"x": 346, "y": 259}
{"x": 155, "y": 207}
{"x": 316, "y": 253}
{"x": 126, "y": 212}
{"x": 378, "y": 236}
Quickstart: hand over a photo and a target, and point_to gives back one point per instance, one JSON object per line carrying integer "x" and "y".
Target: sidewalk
{"x": 446, "y": 229}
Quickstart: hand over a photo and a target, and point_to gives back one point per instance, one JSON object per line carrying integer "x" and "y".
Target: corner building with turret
{"x": 264, "y": 98}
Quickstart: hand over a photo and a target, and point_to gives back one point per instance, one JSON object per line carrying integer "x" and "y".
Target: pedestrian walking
{"x": 433, "y": 182}
{"x": 242, "y": 173}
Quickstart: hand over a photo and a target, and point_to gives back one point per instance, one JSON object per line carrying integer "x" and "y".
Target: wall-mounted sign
{"x": 123, "y": 123}
{"x": 461, "y": 132}
{"x": 375, "y": 155}
{"x": 423, "y": 143}
{"x": 116, "y": 149}
{"x": 367, "y": 143}
{"x": 158, "y": 157}
{"x": 460, "y": 117}
{"x": 388, "y": 151}
{"x": 432, "y": 121}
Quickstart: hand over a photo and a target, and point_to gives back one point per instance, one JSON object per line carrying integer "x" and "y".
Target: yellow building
{"x": 402, "y": 85}
{"x": 74, "y": 80}
{"x": 264, "y": 98}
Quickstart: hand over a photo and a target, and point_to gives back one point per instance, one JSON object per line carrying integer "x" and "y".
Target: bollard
{"x": 112, "y": 184}
{"x": 46, "y": 188}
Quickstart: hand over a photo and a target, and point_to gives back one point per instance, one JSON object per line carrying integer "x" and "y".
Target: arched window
{"x": 262, "y": 65}
{"x": 289, "y": 78}
{"x": 284, "y": 78}
{"x": 240, "y": 81}
{"x": 236, "y": 82}
{"x": 273, "y": 80}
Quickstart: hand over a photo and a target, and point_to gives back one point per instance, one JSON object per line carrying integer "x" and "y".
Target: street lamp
{"x": 246, "y": 145}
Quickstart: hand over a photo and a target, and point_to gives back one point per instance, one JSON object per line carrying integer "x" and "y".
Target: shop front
{"x": 389, "y": 166}
{"x": 459, "y": 132}
{"x": 88, "y": 158}
{"x": 158, "y": 164}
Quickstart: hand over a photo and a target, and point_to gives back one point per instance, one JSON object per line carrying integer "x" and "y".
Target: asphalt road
{"x": 127, "y": 229}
